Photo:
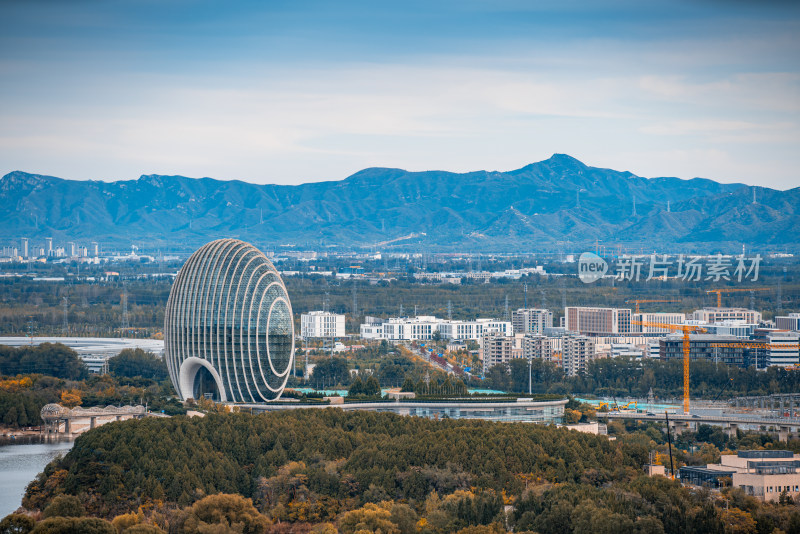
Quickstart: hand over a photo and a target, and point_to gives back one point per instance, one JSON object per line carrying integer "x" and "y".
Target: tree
{"x": 329, "y": 373}
{"x": 65, "y": 506}
{"x": 71, "y": 398}
{"x": 369, "y": 518}
{"x": 16, "y": 524}
{"x": 226, "y": 510}
{"x": 136, "y": 362}
{"x": 74, "y": 525}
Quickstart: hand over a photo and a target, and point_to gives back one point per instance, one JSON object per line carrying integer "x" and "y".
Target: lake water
{"x": 20, "y": 461}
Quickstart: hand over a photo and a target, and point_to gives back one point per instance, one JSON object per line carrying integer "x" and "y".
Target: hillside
{"x": 532, "y": 208}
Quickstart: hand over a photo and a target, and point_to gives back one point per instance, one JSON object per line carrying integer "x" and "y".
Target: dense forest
{"x": 328, "y": 471}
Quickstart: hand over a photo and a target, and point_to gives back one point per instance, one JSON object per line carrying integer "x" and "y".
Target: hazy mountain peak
{"x": 558, "y": 199}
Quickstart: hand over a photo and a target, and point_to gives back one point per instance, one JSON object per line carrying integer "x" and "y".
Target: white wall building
{"x": 783, "y": 350}
{"x": 719, "y": 315}
{"x": 664, "y": 318}
{"x": 321, "y": 324}
{"x": 424, "y": 327}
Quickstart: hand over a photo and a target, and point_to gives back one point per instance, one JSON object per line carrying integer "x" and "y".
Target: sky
{"x": 300, "y": 91}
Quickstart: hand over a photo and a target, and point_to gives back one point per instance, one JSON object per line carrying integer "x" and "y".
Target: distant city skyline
{"x": 313, "y": 91}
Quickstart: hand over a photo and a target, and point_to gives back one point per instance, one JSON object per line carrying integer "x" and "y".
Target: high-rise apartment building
{"x": 538, "y": 346}
{"x": 531, "y": 320}
{"x": 576, "y": 353}
{"x": 495, "y": 348}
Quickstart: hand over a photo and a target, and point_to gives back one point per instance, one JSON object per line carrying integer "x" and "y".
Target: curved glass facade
{"x": 228, "y": 330}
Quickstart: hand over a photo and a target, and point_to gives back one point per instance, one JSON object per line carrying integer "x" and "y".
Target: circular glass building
{"x": 228, "y": 330}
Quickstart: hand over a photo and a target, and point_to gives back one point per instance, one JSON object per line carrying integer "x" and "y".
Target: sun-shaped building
{"x": 228, "y": 330}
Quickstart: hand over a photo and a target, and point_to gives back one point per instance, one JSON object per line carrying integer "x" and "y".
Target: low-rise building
{"x": 424, "y": 327}
{"x": 765, "y": 475}
{"x": 718, "y": 315}
{"x": 788, "y": 322}
{"x": 664, "y": 318}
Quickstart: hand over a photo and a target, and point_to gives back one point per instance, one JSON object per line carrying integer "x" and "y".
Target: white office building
{"x": 783, "y": 349}
{"x": 663, "y": 318}
{"x": 474, "y": 330}
{"x": 719, "y": 315}
{"x": 424, "y": 327}
{"x": 321, "y": 324}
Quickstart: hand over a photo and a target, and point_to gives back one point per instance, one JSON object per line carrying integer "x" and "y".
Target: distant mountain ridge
{"x": 529, "y": 209}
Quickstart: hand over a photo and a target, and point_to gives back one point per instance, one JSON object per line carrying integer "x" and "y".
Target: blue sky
{"x": 291, "y": 92}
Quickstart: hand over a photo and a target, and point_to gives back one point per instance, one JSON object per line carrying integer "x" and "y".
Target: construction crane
{"x": 637, "y": 301}
{"x": 719, "y": 292}
{"x": 686, "y": 329}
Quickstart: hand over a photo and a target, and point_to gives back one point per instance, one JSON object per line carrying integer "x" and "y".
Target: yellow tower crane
{"x": 686, "y": 329}
{"x": 719, "y": 292}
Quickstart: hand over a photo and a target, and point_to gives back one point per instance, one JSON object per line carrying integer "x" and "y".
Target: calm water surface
{"x": 20, "y": 461}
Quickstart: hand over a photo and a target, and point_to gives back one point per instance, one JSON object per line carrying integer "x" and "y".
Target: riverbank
{"x": 9, "y": 432}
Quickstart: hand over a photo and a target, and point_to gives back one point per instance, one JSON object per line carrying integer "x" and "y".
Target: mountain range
{"x": 535, "y": 208}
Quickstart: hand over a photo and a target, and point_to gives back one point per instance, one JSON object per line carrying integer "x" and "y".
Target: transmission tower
{"x": 65, "y": 326}
{"x": 506, "y": 315}
{"x": 449, "y": 310}
{"x": 355, "y": 298}
{"x": 525, "y": 290}
{"x": 31, "y": 328}
{"x": 125, "y": 323}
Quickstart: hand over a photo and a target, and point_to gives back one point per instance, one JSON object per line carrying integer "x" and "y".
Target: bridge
{"x": 782, "y": 427}
{"x": 71, "y": 422}
{"x": 785, "y": 402}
